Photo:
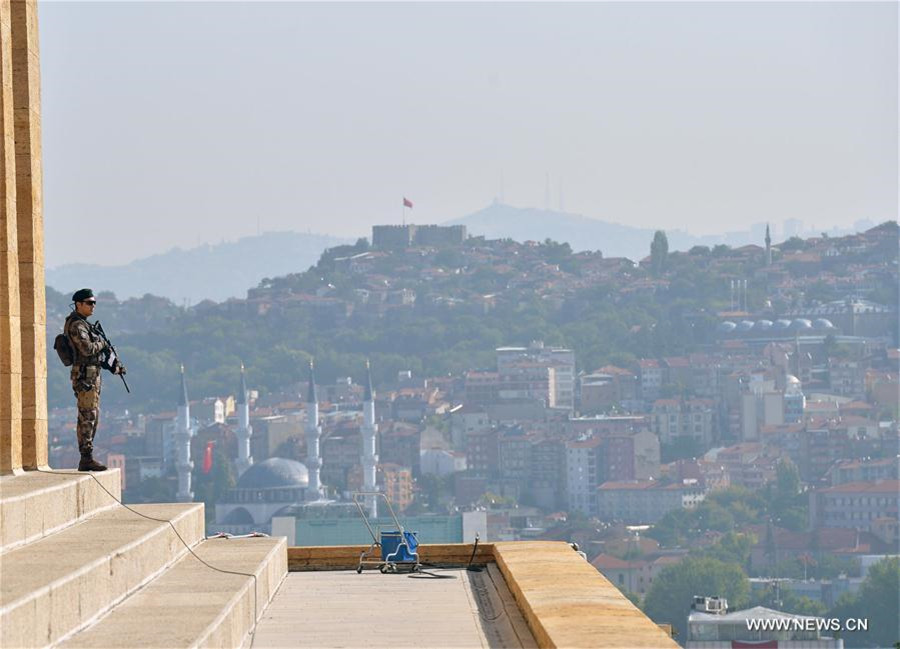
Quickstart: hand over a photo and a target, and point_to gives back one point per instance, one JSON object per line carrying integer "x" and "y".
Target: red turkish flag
{"x": 407, "y": 202}
{"x": 207, "y": 457}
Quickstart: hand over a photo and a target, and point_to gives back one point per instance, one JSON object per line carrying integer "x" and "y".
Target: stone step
{"x": 191, "y": 605}
{"x": 35, "y": 504}
{"x": 58, "y": 584}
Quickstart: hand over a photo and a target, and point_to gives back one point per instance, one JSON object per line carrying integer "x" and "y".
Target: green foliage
{"x": 793, "y": 244}
{"x": 326, "y": 261}
{"x": 787, "y": 505}
{"x": 279, "y": 329}
{"x": 670, "y": 597}
{"x": 782, "y": 599}
{"x": 449, "y": 258}
{"x": 210, "y": 487}
{"x": 434, "y": 494}
{"x": 733, "y": 547}
{"x": 878, "y": 600}
{"x": 680, "y": 448}
{"x": 659, "y": 252}
{"x": 732, "y": 509}
{"x": 555, "y": 253}
{"x": 825, "y": 566}
{"x": 634, "y": 598}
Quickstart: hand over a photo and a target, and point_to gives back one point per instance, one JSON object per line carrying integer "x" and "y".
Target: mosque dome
{"x": 822, "y": 323}
{"x": 800, "y": 324}
{"x": 745, "y": 325}
{"x": 238, "y": 516}
{"x": 762, "y": 325}
{"x": 781, "y": 324}
{"x": 274, "y": 473}
{"x": 726, "y": 327}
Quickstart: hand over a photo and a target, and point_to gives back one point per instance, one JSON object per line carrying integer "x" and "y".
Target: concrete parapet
{"x": 568, "y": 603}
{"x": 346, "y": 557}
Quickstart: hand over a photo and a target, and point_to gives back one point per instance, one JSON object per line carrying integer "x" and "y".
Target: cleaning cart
{"x": 393, "y": 549}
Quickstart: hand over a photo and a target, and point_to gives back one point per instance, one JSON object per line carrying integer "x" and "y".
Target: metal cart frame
{"x": 390, "y": 562}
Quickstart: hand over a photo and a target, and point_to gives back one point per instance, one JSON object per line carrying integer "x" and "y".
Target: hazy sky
{"x": 173, "y": 124}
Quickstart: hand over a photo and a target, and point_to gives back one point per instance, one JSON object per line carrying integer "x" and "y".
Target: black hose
{"x": 469, "y": 566}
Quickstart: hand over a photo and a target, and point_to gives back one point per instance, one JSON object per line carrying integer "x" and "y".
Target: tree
{"x": 787, "y": 481}
{"x": 211, "y": 487}
{"x": 733, "y": 547}
{"x": 879, "y": 598}
{"x": 681, "y": 448}
{"x": 670, "y": 597}
{"x": 785, "y": 501}
{"x": 659, "y": 252}
{"x": 785, "y": 600}
{"x": 555, "y": 252}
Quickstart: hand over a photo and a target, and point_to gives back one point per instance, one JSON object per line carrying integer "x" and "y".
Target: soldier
{"x": 89, "y": 352}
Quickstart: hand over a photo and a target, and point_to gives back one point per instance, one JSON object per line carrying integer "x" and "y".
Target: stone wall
{"x": 23, "y": 357}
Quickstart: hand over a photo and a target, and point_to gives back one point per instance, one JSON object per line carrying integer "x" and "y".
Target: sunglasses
{"x": 91, "y": 302}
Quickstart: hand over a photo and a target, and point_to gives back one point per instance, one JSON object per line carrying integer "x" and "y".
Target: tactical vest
{"x": 77, "y": 358}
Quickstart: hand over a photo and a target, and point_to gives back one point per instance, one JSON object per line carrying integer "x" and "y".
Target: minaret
{"x": 183, "y": 434}
{"x": 244, "y": 431}
{"x": 768, "y": 247}
{"x": 313, "y": 433}
{"x": 368, "y": 430}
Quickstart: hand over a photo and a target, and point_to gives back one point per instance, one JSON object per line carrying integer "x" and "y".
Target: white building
{"x": 641, "y": 502}
{"x": 560, "y": 360}
{"x": 688, "y": 418}
{"x": 728, "y": 630}
{"x": 441, "y": 462}
{"x": 854, "y": 504}
{"x": 582, "y": 474}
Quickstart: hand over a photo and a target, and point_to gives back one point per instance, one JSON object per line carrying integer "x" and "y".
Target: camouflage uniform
{"x": 87, "y": 349}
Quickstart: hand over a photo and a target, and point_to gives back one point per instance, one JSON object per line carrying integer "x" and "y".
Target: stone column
{"x": 10, "y": 345}
{"x": 30, "y": 228}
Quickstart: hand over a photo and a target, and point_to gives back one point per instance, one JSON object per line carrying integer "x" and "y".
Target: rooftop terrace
{"x": 80, "y": 570}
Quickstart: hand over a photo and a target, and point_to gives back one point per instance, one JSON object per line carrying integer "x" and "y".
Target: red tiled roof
{"x": 882, "y": 486}
{"x": 612, "y": 369}
{"x": 677, "y": 361}
{"x": 609, "y": 562}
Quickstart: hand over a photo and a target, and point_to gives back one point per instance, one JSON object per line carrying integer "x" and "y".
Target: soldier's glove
{"x": 120, "y": 369}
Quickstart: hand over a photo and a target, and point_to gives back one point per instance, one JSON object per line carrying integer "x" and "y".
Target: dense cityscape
{"x": 720, "y": 422}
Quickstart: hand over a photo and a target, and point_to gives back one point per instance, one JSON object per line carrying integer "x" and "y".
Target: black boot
{"x": 88, "y": 463}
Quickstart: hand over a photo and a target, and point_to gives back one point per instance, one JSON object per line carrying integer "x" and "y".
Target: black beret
{"x": 82, "y": 294}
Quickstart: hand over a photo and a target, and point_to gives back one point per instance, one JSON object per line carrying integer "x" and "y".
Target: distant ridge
{"x": 499, "y": 221}
{"x": 214, "y": 272}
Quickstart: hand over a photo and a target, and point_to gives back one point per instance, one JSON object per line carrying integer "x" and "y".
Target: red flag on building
{"x": 207, "y": 457}
{"x": 407, "y": 202}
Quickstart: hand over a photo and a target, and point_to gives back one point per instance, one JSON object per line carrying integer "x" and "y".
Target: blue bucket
{"x": 390, "y": 544}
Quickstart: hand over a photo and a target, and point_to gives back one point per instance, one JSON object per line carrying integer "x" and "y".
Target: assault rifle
{"x": 112, "y": 358}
